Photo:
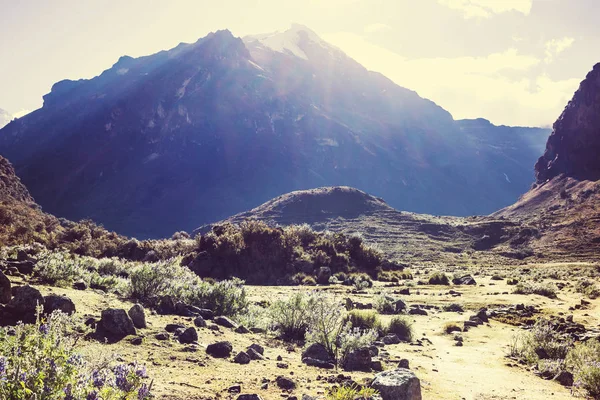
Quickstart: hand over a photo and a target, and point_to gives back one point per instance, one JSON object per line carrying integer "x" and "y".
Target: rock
{"x": 285, "y": 383}
{"x": 55, "y": 302}
{"x": 5, "y": 289}
{"x": 24, "y": 303}
{"x": 219, "y": 349}
{"x": 348, "y": 304}
{"x": 397, "y": 384}
{"x": 200, "y": 322}
{"x": 225, "y": 322}
{"x": 206, "y": 313}
{"x": 464, "y": 280}
{"x": 166, "y": 305}
{"x": 417, "y": 311}
{"x": 171, "y": 328}
{"x": 377, "y": 365}
{"x": 242, "y": 358}
{"x": 138, "y": 316}
{"x": 374, "y": 350}
{"x": 313, "y": 362}
{"x": 399, "y": 306}
{"x": 391, "y": 338}
{"x": 358, "y": 360}
{"x": 115, "y": 324}
{"x": 403, "y": 364}
{"x": 188, "y": 336}
{"x": 80, "y": 285}
{"x": 242, "y": 329}
{"x": 255, "y": 355}
{"x": 258, "y": 348}
{"x": 162, "y": 336}
{"x": 323, "y": 275}
{"x": 482, "y": 315}
{"x": 183, "y": 310}
{"x": 565, "y": 378}
{"x": 136, "y": 341}
{"x": 318, "y": 352}
{"x": 249, "y": 397}
{"x": 234, "y": 389}
{"x": 282, "y": 365}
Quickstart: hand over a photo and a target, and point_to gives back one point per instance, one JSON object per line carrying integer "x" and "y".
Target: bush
{"x": 364, "y": 320}
{"x": 352, "y": 392}
{"x": 402, "y": 327}
{"x": 547, "y": 290}
{"x": 40, "y": 361}
{"x": 450, "y": 327}
{"x": 59, "y": 268}
{"x": 360, "y": 281}
{"x": 542, "y": 342}
{"x": 584, "y": 361}
{"x": 438, "y": 278}
{"x": 385, "y": 304}
{"x": 326, "y": 322}
{"x": 588, "y": 288}
{"x": 291, "y": 317}
{"x": 152, "y": 280}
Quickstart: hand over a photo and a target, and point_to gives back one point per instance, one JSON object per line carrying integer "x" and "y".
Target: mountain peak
{"x": 289, "y": 42}
{"x": 572, "y": 148}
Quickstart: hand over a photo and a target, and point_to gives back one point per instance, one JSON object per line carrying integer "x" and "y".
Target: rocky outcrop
{"x": 398, "y": 384}
{"x": 573, "y": 147}
{"x": 115, "y": 324}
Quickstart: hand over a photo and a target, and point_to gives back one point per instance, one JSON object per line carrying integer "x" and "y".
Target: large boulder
{"x": 323, "y": 275}
{"x": 54, "y": 302}
{"x": 115, "y": 324}
{"x": 318, "y": 352}
{"x": 464, "y": 280}
{"x": 397, "y": 384}
{"x": 24, "y": 303}
{"x": 219, "y": 349}
{"x": 358, "y": 360}
{"x": 5, "y": 289}
{"x": 224, "y": 321}
{"x": 190, "y": 335}
{"x": 138, "y": 316}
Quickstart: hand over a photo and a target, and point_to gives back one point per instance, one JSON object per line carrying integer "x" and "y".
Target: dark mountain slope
{"x": 192, "y": 135}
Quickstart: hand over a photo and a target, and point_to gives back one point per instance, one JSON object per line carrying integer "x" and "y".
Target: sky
{"x": 514, "y": 62}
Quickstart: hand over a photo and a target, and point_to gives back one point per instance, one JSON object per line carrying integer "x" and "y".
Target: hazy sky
{"x": 510, "y": 61}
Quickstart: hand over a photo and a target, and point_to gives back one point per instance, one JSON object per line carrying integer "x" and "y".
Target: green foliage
{"x": 584, "y": 361}
{"x": 361, "y": 281}
{"x": 40, "y": 361}
{"x": 352, "y": 392}
{"x": 385, "y": 304}
{"x": 326, "y": 322}
{"x": 589, "y": 288}
{"x": 291, "y": 317}
{"x": 438, "y": 278}
{"x": 402, "y": 327}
{"x": 59, "y": 268}
{"x": 350, "y": 339}
{"x": 542, "y": 289}
{"x": 541, "y": 342}
{"x": 364, "y": 320}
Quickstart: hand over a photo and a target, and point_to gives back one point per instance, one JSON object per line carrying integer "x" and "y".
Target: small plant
{"x": 584, "y": 361}
{"x": 59, "y": 268}
{"x": 546, "y": 290}
{"x": 352, "y": 392}
{"x": 353, "y": 339}
{"x": 364, "y": 320}
{"x": 361, "y": 281}
{"x": 402, "y": 327}
{"x": 588, "y": 288}
{"x": 438, "y": 278}
{"x": 450, "y": 327}
{"x": 39, "y": 361}
{"x": 291, "y": 317}
{"x": 326, "y": 322}
{"x": 385, "y": 304}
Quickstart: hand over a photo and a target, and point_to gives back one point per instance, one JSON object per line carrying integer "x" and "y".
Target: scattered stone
{"x": 258, "y": 348}
{"x": 464, "y": 280}
{"x": 285, "y": 383}
{"x": 417, "y": 311}
{"x": 219, "y": 349}
{"x": 249, "y": 397}
{"x": 200, "y": 322}
{"x": 234, "y": 389}
{"x": 136, "y": 341}
{"x": 316, "y": 351}
{"x": 162, "y": 336}
{"x": 255, "y": 355}
{"x": 138, "y": 316}
{"x": 190, "y": 335}
{"x": 224, "y": 321}
{"x": 242, "y": 358}
{"x": 55, "y": 302}
{"x": 391, "y": 338}
{"x": 313, "y": 362}
{"x": 183, "y": 310}
{"x": 397, "y": 384}
{"x": 403, "y": 364}
{"x": 206, "y": 313}
{"x": 282, "y": 365}
{"x": 115, "y": 324}
{"x": 399, "y": 306}
{"x": 80, "y": 285}
{"x": 377, "y": 365}
{"x": 565, "y": 378}
{"x": 242, "y": 329}
{"x": 358, "y": 360}
{"x": 5, "y": 289}
{"x": 166, "y": 305}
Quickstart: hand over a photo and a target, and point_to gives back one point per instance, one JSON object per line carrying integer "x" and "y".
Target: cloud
{"x": 21, "y": 113}
{"x": 486, "y": 8}
{"x": 556, "y": 46}
{"x": 503, "y": 87}
{"x": 376, "y": 28}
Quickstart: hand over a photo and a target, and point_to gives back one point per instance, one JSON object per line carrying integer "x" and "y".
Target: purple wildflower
{"x": 143, "y": 392}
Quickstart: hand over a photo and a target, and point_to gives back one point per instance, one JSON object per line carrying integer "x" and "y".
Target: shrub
{"x": 351, "y": 339}
{"x": 402, "y": 327}
{"x": 40, "y": 361}
{"x": 589, "y": 288}
{"x": 542, "y": 342}
{"x": 326, "y": 322}
{"x": 584, "y": 361}
{"x": 361, "y": 281}
{"x": 364, "y": 320}
{"x": 512, "y": 281}
{"x": 352, "y": 392}
{"x": 152, "y": 280}
{"x": 450, "y": 327}
{"x": 438, "y": 278}
{"x": 547, "y": 290}
{"x": 291, "y": 317}
{"x": 59, "y": 268}
{"x": 385, "y": 304}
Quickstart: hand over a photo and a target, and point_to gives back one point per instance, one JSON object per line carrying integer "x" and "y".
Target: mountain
{"x": 403, "y": 236}
{"x": 5, "y": 118}
{"x": 565, "y": 201}
{"x": 191, "y": 135}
